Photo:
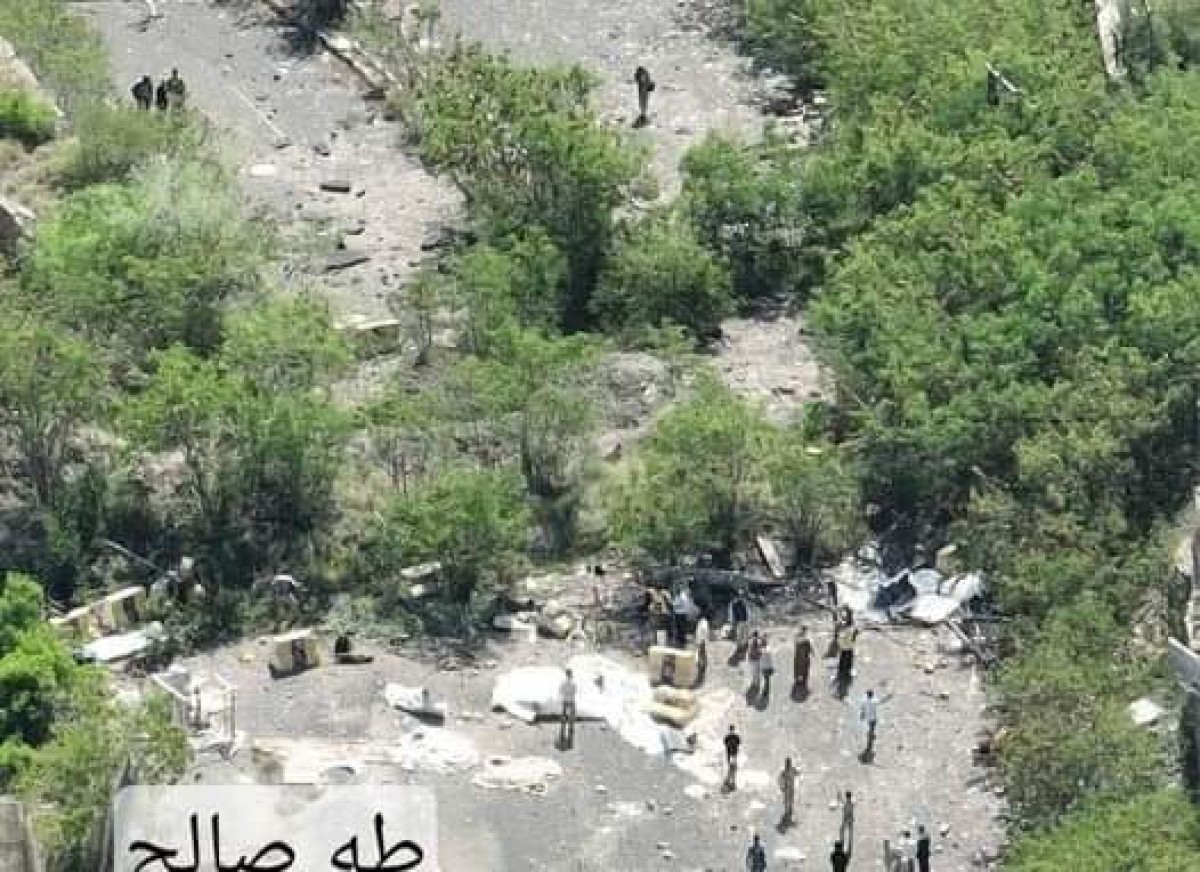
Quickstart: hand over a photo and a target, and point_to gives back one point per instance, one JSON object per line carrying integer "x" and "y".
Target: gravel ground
{"x": 617, "y": 808}
{"x": 701, "y": 84}
{"x": 241, "y": 71}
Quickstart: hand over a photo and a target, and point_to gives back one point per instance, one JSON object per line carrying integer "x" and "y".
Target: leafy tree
{"x": 529, "y": 402}
{"x": 1154, "y": 832}
{"x": 473, "y": 521}
{"x": 285, "y": 345}
{"x": 25, "y": 117}
{"x": 20, "y": 609}
{"x": 262, "y": 460}
{"x": 814, "y": 493}
{"x": 188, "y": 405}
{"x": 528, "y": 155}
{"x": 73, "y": 775}
{"x": 113, "y": 141}
{"x": 51, "y": 384}
{"x": 700, "y": 484}
{"x": 750, "y": 210}
{"x": 65, "y": 51}
{"x": 1050, "y": 768}
{"x": 405, "y": 432}
{"x": 658, "y": 274}
{"x": 146, "y": 265}
{"x": 520, "y": 280}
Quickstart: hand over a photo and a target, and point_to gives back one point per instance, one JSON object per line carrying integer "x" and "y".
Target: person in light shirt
{"x": 568, "y": 692}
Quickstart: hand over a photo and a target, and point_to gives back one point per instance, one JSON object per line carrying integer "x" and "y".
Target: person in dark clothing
{"x": 143, "y": 92}
{"x": 839, "y": 860}
{"x": 846, "y": 638}
{"x": 162, "y": 97}
{"x": 733, "y": 743}
{"x": 756, "y": 857}
{"x": 922, "y": 850}
{"x": 739, "y": 616}
{"x": 645, "y": 85}
{"x": 801, "y": 663}
{"x": 176, "y": 90}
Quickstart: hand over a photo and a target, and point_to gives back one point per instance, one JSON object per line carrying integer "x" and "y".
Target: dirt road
{"x": 297, "y": 121}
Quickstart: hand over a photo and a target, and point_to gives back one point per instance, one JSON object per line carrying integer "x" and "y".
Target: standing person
{"x": 143, "y": 92}
{"x": 428, "y": 14}
{"x": 846, "y": 637}
{"x": 839, "y": 860}
{"x": 739, "y": 617}
{"x": 787, "y": 786}
{"x": 645, "y": 85}
{"x": 767, "y": 663}
{"x": 681, "y": 612}
{"x": 922, "y": 850}
{"x": 568, "y": 693}
{"x": 801, "y": 663}
{"x": 702, "y": 631}
{"x": 846, "y": 831}
{"x": 868, "y": 713}
{"x": 756, "y": 856}
{"x": 754, "y": 655}
{"x": 908, "y": 852}
{"x": 162, "y": 96}
{"x": 176, "y": 90}
{"x": 733, "y": 743}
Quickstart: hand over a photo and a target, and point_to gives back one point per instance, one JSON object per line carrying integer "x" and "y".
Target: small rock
{"x": 1145, "y": 712}
{"x": 944, "y": 829}
{"x": 600, "y": 788}
{"x": 322, "y": 149}
{"x": 282, "y": 143}
{"x": 668, "y": 855}
{"x": 264, "y": 171}
{"x": 336, "y": 186}
{"x": 343, "y": 259}
{"x": 663, "y": 846}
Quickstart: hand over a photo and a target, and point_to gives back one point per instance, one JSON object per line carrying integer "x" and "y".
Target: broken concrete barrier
{"x": 345, "y": 258}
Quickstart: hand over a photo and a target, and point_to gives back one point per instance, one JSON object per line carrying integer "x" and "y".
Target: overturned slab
{"x": 346, "y": 258}
{"x": 415, "y": 700}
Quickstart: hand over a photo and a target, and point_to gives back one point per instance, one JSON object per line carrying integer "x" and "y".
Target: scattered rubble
{"x": 1145, "y": 712}
{"x": 345, "y": 258}
{"x": 435, "y": 750}
{"x": 415, "y": 700}
{"x": 529, "y": 774}
{"x": 109, "y": 649}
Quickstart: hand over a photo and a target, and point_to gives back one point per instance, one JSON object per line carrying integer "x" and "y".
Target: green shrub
{"x": 141, "y": 266}
{"x": 659, "y": 274}
{"x": 1149, "y": 832}
{"x": 26, "y": 118}
{"x": 113, "y": 140}
{"x": 62, "y": 48}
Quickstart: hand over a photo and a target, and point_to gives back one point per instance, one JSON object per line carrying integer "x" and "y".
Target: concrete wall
{"x": 17, "y": 851}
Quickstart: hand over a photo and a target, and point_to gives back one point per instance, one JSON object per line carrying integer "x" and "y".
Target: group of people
{"x": 169, "y": 94}
{"x": 673, "y": 613}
